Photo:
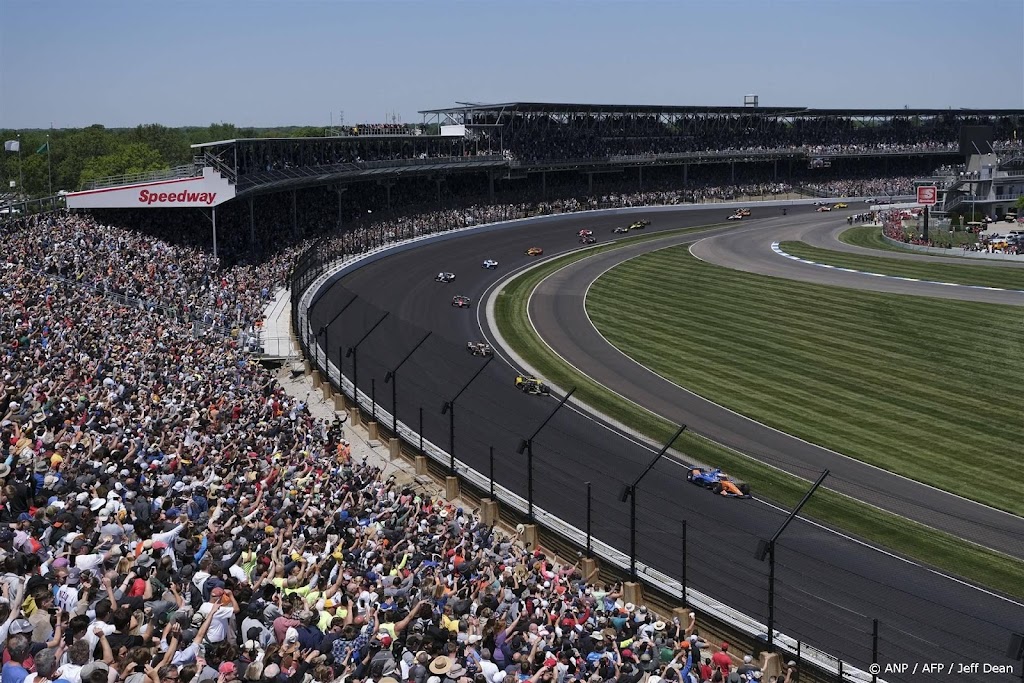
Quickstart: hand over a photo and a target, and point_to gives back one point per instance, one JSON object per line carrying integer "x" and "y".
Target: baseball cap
{"x": 20, "y": 626}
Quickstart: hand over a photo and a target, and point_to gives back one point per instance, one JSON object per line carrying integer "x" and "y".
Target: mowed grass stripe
{"x": 939, "y": 400}
{"x": 980, "y": 275}
{"x": 841, "y": 368}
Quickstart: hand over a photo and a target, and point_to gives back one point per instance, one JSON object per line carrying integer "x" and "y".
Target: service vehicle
{"x": 478, "y": 348}
{"x": 718, "y": 482}
{"x": 460, "y": 301}
{"x": 529, "y": 384}
{"x": 444, "y": 277}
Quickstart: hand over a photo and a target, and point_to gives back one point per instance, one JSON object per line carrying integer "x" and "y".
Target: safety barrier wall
{"x": 329, "y": 273}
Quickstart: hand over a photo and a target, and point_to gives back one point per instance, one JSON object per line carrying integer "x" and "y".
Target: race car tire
{"x": 717, "y": 488}
{"x": 745, "y": 489}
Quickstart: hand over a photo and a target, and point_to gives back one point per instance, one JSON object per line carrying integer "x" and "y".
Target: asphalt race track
{"x": 751, "y": 251}
{"x": 557, "y": 310}
{"x": 828, "y": 587}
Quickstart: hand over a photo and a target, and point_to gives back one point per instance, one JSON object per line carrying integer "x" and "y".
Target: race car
{"x": 531, "y": 385}
{"x": 718, "y": 482}
{"x": 444, "y": 277}
{"x": 585, "y": 233}
{"x": 490, "y": 264}
{"x": 479, "y": 349}
{"x": 460, "y": 301}
{"x": 589, "y": 239}
{"x": 840, "y": 205}
{"x": 824, "y": 208}
{"x": 744, "y": 212}
{"x": 639, "y": 225}
{"x": 738, "y": 216}
{"x": 534, "y": 251}
{"x": 620, "y": 231}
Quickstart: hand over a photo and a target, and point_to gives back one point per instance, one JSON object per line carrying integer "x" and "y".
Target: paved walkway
{"x": 277, "y": 328}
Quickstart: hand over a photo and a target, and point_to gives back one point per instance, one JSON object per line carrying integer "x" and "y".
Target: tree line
{"x": 78, "y": 155}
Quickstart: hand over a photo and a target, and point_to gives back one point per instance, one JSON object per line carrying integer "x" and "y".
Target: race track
{"x": 558, "y": 313}
{"x": 829, "y": 587}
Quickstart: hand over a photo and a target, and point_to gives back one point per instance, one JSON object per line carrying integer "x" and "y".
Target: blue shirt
{"x": 13, "y": 673}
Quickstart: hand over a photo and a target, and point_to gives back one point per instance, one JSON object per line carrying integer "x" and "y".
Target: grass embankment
{"x": 982, "y": 275}
{"x": 871, "y": 238}
{"x": 908, "y": 538}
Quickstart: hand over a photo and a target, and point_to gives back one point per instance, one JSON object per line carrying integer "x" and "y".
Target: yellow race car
{"x": 840, "y": 205}
{"x": 534, "y": 251}
{"x": 531, "y": 385}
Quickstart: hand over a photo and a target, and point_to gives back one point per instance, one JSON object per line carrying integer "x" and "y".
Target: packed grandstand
{"x": 170, "y": 513}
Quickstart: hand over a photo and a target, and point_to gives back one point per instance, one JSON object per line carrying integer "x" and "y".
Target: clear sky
{"x": 263, "y": 63}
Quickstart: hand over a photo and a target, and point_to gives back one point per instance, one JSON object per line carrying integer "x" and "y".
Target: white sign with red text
{"x": 927, "y": 195}
{"x": 209, "y": 189}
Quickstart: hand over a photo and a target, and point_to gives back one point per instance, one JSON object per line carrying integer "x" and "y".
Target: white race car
{"x": 444, "y": 277}
{"x": 824, "y": 208}
{"x": 490, "y": 264}
{"x": 738, "y": 216}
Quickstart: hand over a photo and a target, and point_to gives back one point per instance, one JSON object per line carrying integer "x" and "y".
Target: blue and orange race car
{"x": 718, "y": 482}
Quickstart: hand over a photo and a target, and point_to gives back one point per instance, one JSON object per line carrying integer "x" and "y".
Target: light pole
{"x": 449, "y": 407}
{"x": 767, "y": 548}
{"x": 391, "y": 377}
{"x": 354, "y": 352}
{"x": 527, "y": 445}
{"x": 630, "y": 492}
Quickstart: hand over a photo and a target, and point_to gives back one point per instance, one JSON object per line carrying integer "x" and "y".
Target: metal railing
{"x": 184, "y": 171}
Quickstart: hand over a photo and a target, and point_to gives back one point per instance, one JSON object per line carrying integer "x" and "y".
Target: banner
{"x": 209, "y": 189}
{"x": 12, "y": 146}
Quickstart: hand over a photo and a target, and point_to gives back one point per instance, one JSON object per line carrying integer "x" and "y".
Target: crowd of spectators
{"x": 168, "y": 513}
{"x": 864, "y": 187}
{"x": 540, "y": 138}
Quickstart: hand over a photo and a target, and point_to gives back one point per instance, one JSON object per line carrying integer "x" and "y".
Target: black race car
{"x": 444, "y": 277}
{"x": 460, "y": 301}
{"x": 619, "y": 231}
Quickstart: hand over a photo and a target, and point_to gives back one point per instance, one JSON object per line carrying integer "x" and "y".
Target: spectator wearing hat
{"x": 721, "y": 660}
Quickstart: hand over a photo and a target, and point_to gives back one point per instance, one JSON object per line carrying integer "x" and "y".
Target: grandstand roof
{"x": 694, "y": 109}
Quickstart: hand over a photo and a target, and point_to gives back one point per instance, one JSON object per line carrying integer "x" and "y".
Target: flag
{"x": 44, "y": 148}
{"x": 12, "y": 146}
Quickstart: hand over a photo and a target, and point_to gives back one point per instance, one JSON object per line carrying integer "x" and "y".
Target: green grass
{"x": 983, "y": 275}
{"x": 838, "y": 367}
{"x": 900, "y": 535}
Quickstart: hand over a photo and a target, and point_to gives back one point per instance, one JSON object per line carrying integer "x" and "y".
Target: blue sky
{"x": 120, "y": 63}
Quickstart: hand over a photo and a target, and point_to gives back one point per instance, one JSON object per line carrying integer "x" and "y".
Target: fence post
{"x": 373, "y": 399}
{"x": 590, "y": 550}
{"x": 491, "y": 461}
{"x": 874, "y": 640}
{"x": 421, "y": 431}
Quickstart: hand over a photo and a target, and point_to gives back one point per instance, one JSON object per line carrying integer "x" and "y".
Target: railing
{"x": 185, "y": 171}
{"x": 961, "y": 199}
{"x": 13, "y": 210}
{"x": 211, "y": 160}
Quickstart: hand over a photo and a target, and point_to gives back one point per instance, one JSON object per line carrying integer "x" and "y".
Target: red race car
{"x": 460, "y": 301}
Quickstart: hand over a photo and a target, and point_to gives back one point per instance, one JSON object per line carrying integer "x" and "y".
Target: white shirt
{"x": 218, "y": 630}
{"x": 67, "y": 598}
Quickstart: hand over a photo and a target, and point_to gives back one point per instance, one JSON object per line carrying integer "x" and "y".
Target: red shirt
{"x": 722, "y": 660}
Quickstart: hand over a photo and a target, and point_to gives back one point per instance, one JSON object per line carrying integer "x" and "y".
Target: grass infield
{"x": 1003, "y": 277}
{"x": 871, "y": 238}
{"x": 910, "y": 539}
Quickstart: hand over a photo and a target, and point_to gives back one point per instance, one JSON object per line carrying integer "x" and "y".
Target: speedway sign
{"x": 207, "y": 190}
{"x": 927, "y": 195}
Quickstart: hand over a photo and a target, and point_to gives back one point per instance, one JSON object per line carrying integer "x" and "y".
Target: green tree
{"x": 132, "y": 158}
